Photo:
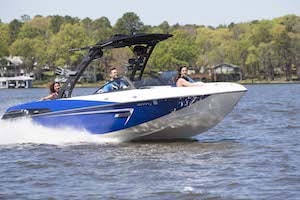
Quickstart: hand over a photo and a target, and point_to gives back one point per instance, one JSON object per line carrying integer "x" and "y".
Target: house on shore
{"x": 227, "y": 72}
{"x": 219, "y": 73}
{"x": 12, "y": 73}
{"x": 12, "y": 66}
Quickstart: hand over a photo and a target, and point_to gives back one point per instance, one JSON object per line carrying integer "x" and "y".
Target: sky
{"x": 154, "y": 12}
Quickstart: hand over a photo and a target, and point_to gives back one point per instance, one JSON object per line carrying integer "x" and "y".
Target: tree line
{"x": 264, "y": 49}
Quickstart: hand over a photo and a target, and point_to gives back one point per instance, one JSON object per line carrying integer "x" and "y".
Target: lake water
{"x": 253, "y": 153}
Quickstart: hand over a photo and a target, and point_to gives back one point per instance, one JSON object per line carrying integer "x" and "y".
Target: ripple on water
{"x": 252, "y": 154}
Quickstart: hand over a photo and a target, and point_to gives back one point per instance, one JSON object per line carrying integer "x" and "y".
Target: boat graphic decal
{"x": 187, "y": 101}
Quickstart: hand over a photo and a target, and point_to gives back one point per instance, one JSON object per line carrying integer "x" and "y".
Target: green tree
{"x": 213, "y": 45}
{"x": 4, "y": 40}
{"x": 70, "y": 36}
{"x": 291, "y": 22}
{"x": 267, "y": 59}
{"x": 164, "y": 27}
{"x": 284, "y": 48}
{"x": 55, "y": 23}
{"x": 178, "y": 50}
{"x": 102, "y": 29}
{"x": 71, "y": 20}
{"x": 203, "y": 40}
{"x": 37, "y": 27}
{"x": 24, "y": 47}
{"x": 86, "y": 23}
{"x": 129, "y": 23}
{"x": 14, "y": 29}
{"x": 252, "y": 62}
{"x": 33, "y": 52}
{"x": 25, "y": 18}
{"x": 261, "y": 32}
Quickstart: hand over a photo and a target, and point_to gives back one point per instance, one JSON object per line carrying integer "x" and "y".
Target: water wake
{"x": 25, "y": 131}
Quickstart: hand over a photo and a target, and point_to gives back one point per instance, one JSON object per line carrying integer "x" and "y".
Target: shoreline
{"x": 247, "y": 82}
{"x": 78, "y": 85}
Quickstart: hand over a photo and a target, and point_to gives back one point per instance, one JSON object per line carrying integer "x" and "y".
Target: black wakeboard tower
{"x": 142, "y": 46}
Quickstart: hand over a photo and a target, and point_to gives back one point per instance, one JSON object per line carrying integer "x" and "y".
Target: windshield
{"x": 150, "y": 79}
{"x": 117, "y": 84}
{"x": 159, "y": 79}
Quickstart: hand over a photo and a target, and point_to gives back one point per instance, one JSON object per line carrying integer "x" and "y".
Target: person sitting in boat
{"x": 115, "y": 82}
{"x": 113, "y": 74}
{"x": 183, "y": 80}
{"x": 54, "y": 91}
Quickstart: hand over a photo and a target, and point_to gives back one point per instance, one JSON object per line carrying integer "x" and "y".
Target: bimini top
{"x": 118, "y": 41}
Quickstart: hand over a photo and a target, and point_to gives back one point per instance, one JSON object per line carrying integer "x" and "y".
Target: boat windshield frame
{"x": 141, "y": 45}
{"x": 118, "y": 84}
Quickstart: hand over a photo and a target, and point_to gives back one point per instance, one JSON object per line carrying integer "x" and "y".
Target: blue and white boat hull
{"x": 161, "y": 112}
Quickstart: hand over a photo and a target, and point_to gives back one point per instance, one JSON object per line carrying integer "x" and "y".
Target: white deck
{"x": 16, "y": 82}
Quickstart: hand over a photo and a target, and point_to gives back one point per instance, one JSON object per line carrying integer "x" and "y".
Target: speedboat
{"x": 133, "y": 107}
